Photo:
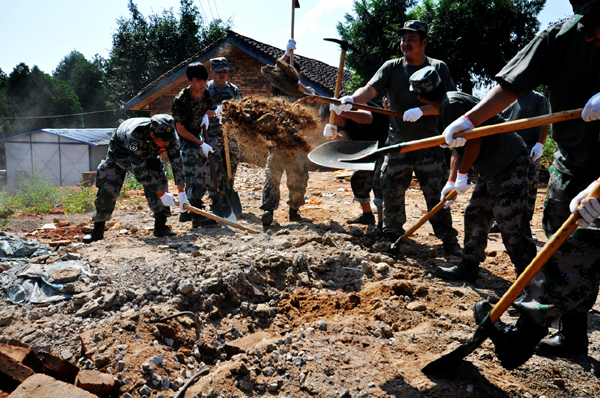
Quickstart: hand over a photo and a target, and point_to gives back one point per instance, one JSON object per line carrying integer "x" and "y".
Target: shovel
{"x": 221, "y": 210}
{"x": 364, "y": 161}
{"x": 331, "y": 154}
{"x": 232, "y": 196}
{"x": 218, "y": 219}
{"x": 450, "y": 360}
{"x": 451, "y": 195}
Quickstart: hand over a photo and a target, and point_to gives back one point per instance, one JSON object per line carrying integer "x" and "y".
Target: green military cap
{"x": 425, "y": 80}
{"x": 163, "y": 127}
{"x": 415, "y": 26}
{"x": 219, "y": 64}
{"x": 580, "y": 9}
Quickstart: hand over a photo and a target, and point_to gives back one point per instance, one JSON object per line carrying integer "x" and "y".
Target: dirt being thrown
{"x": 275, "y": 121}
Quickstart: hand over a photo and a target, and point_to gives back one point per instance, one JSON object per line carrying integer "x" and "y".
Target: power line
{"x": 55, "y": 116}
{"x": 202, "y": 8}
{"x": 215, "y": 3}
{"x": 210, "y": 8}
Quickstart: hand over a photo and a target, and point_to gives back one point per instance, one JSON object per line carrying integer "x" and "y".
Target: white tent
{"x": 59, "y": 155}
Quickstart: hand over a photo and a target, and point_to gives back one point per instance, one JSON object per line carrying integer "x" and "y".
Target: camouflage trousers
{"x": 110, "y": 178}
{"x": 295, "y": 165}
{"x": 569, "y": 281}
{"x": 503, "y": 198}
{"x": 533, "y": 176}
{"x": 216, "y": 141}
{"x": 197, "y": 174}
{"x": 363, "y": 181}
{"x": 432, "y": 172}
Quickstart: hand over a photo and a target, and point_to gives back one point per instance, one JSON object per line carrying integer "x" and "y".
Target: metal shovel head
{"x": 224, "y": 211}
{"x": 279, "y": 79}
{"x": 233, "y": 199}
{"x": 332, "y": 154}
{"x": 448, "y": 362}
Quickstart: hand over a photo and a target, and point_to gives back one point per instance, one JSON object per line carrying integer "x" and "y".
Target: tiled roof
{"x": 315, "y": 73}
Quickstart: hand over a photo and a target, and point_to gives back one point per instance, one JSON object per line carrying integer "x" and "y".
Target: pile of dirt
{"x": 277, "y": 122}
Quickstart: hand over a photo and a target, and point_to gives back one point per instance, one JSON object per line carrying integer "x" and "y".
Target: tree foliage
{"x": 476, "y": 38}
{"x": 145, "y": 48}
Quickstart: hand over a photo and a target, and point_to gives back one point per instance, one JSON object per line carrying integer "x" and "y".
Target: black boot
{"x": 185, "y": 216}
{"x": 571, "y": 339}
{"x": 160, "y": 227}
{"x": 96, "y": 234}
{"x": 464, "y": 271}
{"x": 365, "y": 219}
{"x": 199, "y": 220}
{"x": 294, "y": 216}
{"x": 267, "y": 218}
{"x": 516, "y": 345}
{"x": 452, "y": 248}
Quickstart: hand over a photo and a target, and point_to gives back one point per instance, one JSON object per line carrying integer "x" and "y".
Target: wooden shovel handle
{"x": 538, "y": 262}
{"x": 227, "y": 159}
{"x": 451, "y": 195}
{"x": 217, "y": 218}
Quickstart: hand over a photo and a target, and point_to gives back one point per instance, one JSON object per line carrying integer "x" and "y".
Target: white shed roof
{"x": 93, "y": 137}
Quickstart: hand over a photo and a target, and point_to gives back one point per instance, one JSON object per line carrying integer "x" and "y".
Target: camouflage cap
{"x": 580, "y": 9}
{"x": 163, "y": 127}
{"x": 415, "y": 26}
{"x": 219, "y": 64}
{"x": 425, "y": 80}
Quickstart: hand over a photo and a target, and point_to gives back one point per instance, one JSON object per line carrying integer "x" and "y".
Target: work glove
{"x": 589, "y": 208}
{"x": 347, "y": 99}
{"x": 460, "y": 124}
{"x": 291, "y": 45}
{"x": 462, "y": 184}
{"x": 219, "y": 113}
{"x": 204, "y": 121}
{"x": 340, "y": 108}
{"x": 330, "y": 130}
{"x": 206, "y": 149}
{"x": 536, "y": 151}
{"x": 591, "y": 111}
{"x": 183, "y": 200}
{"x": 167, "y": 199}
{"x": 445, "y": 191}
{"x": 412, "y": 115}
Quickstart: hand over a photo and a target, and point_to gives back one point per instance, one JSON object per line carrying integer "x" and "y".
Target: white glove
{"x": 204, "y": 121}
{"x": 445, "y": 191}
{"x": 183, "y": 200}
{"x": 536, "y": 151}
{"x": 219, "y": 113}
{"x": 167, "y": 199}
{"x": 340, "y": 108}
{"x": 591, "y": 111}
{"x": 460, "y": 124}
{"x": 462, "y": 183}
{"x": 206, "y": 149}
{"x": 412, "y": 115}
{"x": 291, "y": 45}
{"x": 347, "y": 99}
{"x": 589, "y": 208}
{"x": 330, "y": 130}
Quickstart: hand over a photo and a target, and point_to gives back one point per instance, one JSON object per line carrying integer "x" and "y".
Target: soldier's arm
{"x": 472, "y": 149}
{"x": 183, "y": 132}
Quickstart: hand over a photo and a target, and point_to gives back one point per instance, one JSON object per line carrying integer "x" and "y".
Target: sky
{"x": 42, "y": 32}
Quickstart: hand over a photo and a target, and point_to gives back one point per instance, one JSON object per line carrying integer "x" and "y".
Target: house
{"x": 245, "y": 57}
{"x": 59, "y": 155}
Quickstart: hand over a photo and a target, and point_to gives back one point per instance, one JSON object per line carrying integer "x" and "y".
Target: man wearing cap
{"x": 136, "y": 145}
{"x": 419, "y": 121}
{"x": 221, "y": 90}
{"x": 190, "y": 108}
{"x": 502, "y": 189}
{"x": 566, "y": 58}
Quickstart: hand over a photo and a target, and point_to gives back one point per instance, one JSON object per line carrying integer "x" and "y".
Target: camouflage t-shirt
{"x": 131, "y": 145}
{"x": 219, "y": 94}
{"x": 393, "y": 78}
{"x": 189, "y": 110}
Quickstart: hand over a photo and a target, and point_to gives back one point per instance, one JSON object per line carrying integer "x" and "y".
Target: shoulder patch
{"x": 134, "y": 145}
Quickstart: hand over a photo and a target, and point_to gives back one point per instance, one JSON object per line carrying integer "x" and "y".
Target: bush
{"x": 548, "y": 154}
{"x": 130, "y": 184}
{"x": 77, "y": 200}
{"x": 35, "y": 195}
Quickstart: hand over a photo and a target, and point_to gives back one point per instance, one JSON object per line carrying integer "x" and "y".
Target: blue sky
{"x": 42, "y": 32}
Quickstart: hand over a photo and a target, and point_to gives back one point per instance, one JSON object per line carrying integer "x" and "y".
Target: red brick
{"x": 25, "y": 357}
{"x": 59, "y": 368}
{"x": 12, "y": 373}
{"x": 3, "y": 394}
{"x": 244, "y": 344}
{"x": 42, "y": 386}
{"x": 95, "y": 382}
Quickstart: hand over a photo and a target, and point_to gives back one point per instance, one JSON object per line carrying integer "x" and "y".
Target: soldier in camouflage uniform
{"x": 135, "y": 146}
{"x": 566, "y": 58}
{"x": 221, "y": 90}
{"x": 419, "y": 121}
{"x": 502, "y": 189}
{"x": 190, "y": 108}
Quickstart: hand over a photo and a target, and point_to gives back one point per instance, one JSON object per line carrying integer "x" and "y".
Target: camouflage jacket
{"x": 131, "y": 145}
{"x": 219, "y": 94}
{"x": 189, "y": 111}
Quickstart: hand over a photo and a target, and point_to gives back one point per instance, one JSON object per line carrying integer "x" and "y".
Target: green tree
{"x": 476, "y": 38}
{"x": 145, "y": 48}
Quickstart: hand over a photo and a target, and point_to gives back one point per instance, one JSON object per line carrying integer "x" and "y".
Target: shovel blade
{"x": 333, "y": 153}
{"x": 225, "y": 212}
{"x": 233, "y": 199}
{"x": 449, "y": 361}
